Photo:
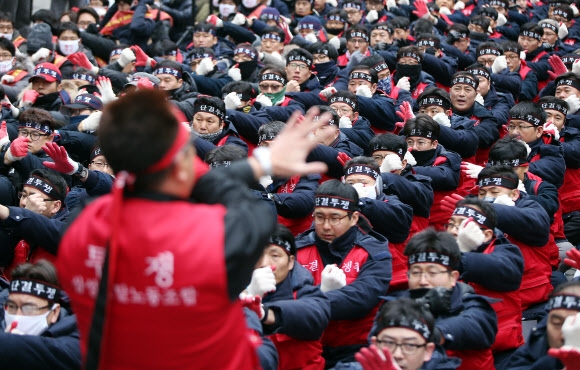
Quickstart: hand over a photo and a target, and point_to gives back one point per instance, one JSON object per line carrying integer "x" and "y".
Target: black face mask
{"x": 247, "y": 68}
{"x": 424, "y": 156}
{"x": 46, "y": 101}
{"x": 334, "y": 31}
{"x": 409, "y": 70}
{"x": 478, "y": 36}
{"x": 325, "y": 71}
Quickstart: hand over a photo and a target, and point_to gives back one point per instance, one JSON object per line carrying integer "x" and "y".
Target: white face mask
{"x": 226, "y": 9}
{"x": 68, "y": 47}
{"x": 250, "y": 3}
{"x": 7, "y": 36}
{"x": 30, "y": 325}
{"x": 6, "y": 65}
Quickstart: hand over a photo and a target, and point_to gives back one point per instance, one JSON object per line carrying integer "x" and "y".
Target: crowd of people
{"x": 291, "y": 184}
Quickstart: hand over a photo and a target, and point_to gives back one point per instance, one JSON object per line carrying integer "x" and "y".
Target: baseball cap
{"x": 139, "y": 75}
{"x": 46, "y": 71}
{"x": 84, "y": 101}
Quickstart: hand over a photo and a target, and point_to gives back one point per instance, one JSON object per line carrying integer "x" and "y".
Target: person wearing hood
{"x": 37, "y": 330}
{"x": 210, "y": 124}
{"x": 178, "y": 85}
{"x": 294, "y": 312}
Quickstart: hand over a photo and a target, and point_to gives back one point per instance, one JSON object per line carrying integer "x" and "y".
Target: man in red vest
{"x": 193, "y": 259}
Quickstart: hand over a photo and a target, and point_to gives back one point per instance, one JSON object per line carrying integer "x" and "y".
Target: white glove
{"x": 472, "y": 170}
{"x": 40, "y": 56}
{"x": 332, "y": 278}
{"x": 528, "y": 149}
{"x": 106, "y": 89}
{"x": 218, "y": 22}
{"x": 571, "y": 331}
{"x": 277, "y": 55}
{"x": 404, "y": 84}
{"x": 410, "y": 159}
{"x": 460, "y": 5}
{"x": 127, "y": 56}
{"x": 521, "y": 186}
{"x": 365, "y": 191}
{"x": 499, "y": 64}
{"x": 501, "y": 19}
{"x": 562, "y": 31}
{"x": 261, "y": 56}
{"x": 263, "y": 281}
{"x": 264, "y": 100}
{"x": 239, "y": 19}
{"x": 91, "y": 123}
{"x": 332, "y": 3}
{"x": 204, "y": 67}
{"x": 234, "y": 73}
{"x": 7, "y": 79}
{"x": 442, "y": 119}
{"x": 549, "y": 126}
{"x": 573, "y": 103}
{"x": 479, "y": 99}
{"x": 523, "y": 55}
{"x": 344, "y": 122}
{"x": 372, "y": 16}
{"x": 444, "y": 10}
{"x": 469, "y": 235}
{"x": 391, "y": 4}
{"x": 328, "y": 92}
{"x": 232, "y": 101}
{"x": 364, "y": 90}
{"x": 576, "y": 67}
{"x": 265, "y": 181}
{"x": 505, "y": 200}
{"x": 574, "y": 10}
{"x": 391, "y": 163}
{"x": 404, "y": 2}
{"x": 335, "y": 41}
{"x": 311, "y": 38}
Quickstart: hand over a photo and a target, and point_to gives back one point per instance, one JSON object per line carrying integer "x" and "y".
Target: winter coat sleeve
{"x": 415, "y": 191}
{"x": 98, "y": 183}
{"x": 247, "y": 125}
{"x": 462, "y": 141}
{"x": 546, "y": 195}
{"x": 527, "y": 221}
{"x": 444, "y": 176}
{"x": 571, "y": 149}
{"x": 99, "y": 45}
{"x": 329, "y": 156}
{"x": 379, "y": 110}
{"x": 486, "y": 129}
{"x": 238, "y": 33}
{"x": 211, "y": 86}
{"x": 509, "y": 81}
{"x": 529, "y": 88}
{"x": 551, "y": 165}
{"x": 360, "y": 133}
{"x": 141, "y": 26}
{"x": 299, "y": 203}
{"x": 443, "y": 68}
{"x": 279, "y": 113}
{"x": 388, "y": 216}
{"x": 77, "y": 144}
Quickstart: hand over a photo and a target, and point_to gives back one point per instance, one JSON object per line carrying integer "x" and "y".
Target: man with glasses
{"x": 353, "y": 268}
{"x": 357, "y": 39}
{"x": 490, "y": 54}
{"x": 356, "y": 127}
{"x": 38, "y": 329}
{"x": 299, "y": 66}
{"x": 493, "y": 266}
{"x": 466, "y": 324}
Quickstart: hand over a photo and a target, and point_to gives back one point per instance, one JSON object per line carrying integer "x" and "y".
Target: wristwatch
{"x": 82, "y": 172}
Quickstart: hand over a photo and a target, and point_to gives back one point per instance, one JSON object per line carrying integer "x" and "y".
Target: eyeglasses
{"x": 451, "y": 226}
{"x": 22, "y": 195}
{"x": 28, "y": 309}
{"x": 84, "y": 23}
{"x": 406, "y": 348}
{"x": 300, "y": 66}
{"x": 519, "y": 127}
{"x": 379, "y": 158}
{"x": 273, "y": 88}
{"x": 344, "y": 111}
{"x": 33, "y": 135}
{"x": 320, "y": 219}
{"x": 6, "y": 56}
{"x": 98, "y": 164}
{"x": 419, "y": 143}
{"x": 320, "y": 58}
{"x": 486, "y": 62}
{"x": 430, "y": 274}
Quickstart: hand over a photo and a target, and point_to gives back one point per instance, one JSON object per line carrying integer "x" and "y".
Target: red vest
{"x": 121, "y": 19}
{"x": 18, "y": 75}
{"x": 509, "y": 314}
{"x": 479, "y": 359}
{"x": 296, "y": 225}
{"x": 340, "y": 332}
{"x": 421, "y": 86}
{"x": 400, "y": 280}
{"x": 171, "y": 284}
{"x": 541, "y": 84}
{"x": 570, "y": 191}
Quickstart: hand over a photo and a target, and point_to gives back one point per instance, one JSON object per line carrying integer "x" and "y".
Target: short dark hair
{"x": 484, "y": 207}
{"x": 170, "y": 64}
{"x": 326, "y": 109}
{"x": 55, "y": 179}
{"x": 68, "y": 26}
{"x": 549, "y": 99}
{"x": 400, "y": 22}
{"x": 164, "y": 47}
{"x": 323, "y": 48}
{"x": 270, "y": 68}
{"x": 203, "y": 26}
{"x": 441, "y": 242}
{"x": 499, "y": 171}
{"x": 506, "y": 149}
{"x": 423, "y": 26}
{"x": 274, "y": 29}
{"x": 422, "y": 122}
{"x": 136, "y": 131}
{"x": 88, "y": 10}
{"x": 300, "y": 53}
{"x": 346, "y": 94}
{"x": 529, "y": 107}
{"x": 212, "y": 101}
{"x": 283, "y": 233}
{"x": 388, "y": 140}
{"x": 38, "y": 115}
{"x": 481, "y": 21}
{"x": 228, "y": 152}
{"x": 42, "y": 271}
{"x": 338, "y": 189}
{"x": 271, "y": 129}
{"x": 560, "y": 288}
{"x": 7, "y": 17}
{"x": 240, "y": 87}
{"x": 403, "y": 309}
{"x": 7, "y": 45}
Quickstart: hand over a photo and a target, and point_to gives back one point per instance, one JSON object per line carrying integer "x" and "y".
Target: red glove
{"x": 406, "y": 111}
{"x": 3, "y": 134}
{"x": 449, "y": 202}
{"x": 569, "y": 356}
{"x": 557, "y": 66}
{"x": 343, "y": 158}
{"x": 145, "y": 84}
{"x": 18, "y": 149}
{"x": 62, "y": 162}
{"x": 30, "y": 96}
{"x": 372, "y": 359}
{"x": 421, "y": 7}
{"x": 142, "y": 58}
{"x": 80, "y": 60}
{"x": 254, "y": 303}
{"x": 574, "y": 258}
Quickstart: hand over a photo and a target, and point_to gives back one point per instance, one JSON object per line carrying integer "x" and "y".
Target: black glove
{"x": 381, "y": 45}
{"x": 437, "y": 300}
{"x": 401, "y": 43}
{"x": 92, "y": 28}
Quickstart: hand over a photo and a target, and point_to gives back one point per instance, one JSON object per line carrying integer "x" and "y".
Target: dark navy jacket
{"x": 529, "y": 88}
{"x": 328, "y": 155}
{"x": 303, "y": 318}
{"x": 300, "y": 202}
{"x": 57, "y": 348}
{"x": 541, "y": 67}
{"x": 97, "y": 183}
{"x": 444, "y": 176}
{"x": 551, "y": 165}
{"x": 282, "y": 113}
{"x": 360, "y": 133}
{"x": 461, "y": 137}
{"x": 533, "y": 355}
{"x": 571, "y": 146}
{"x": 248, "y": 125}
{"x": 232, "y": 138}
{"x": 388, "y": 216}
{"x": 464, "y": 59}
{"x": 544, "y": 193}
{"x": 507, "y": 81}
{"x": 487, "y": 128}
{"x": 414, "y": 190}
{"x": 499, "y": 104}
{"x": 443, "y": 67}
